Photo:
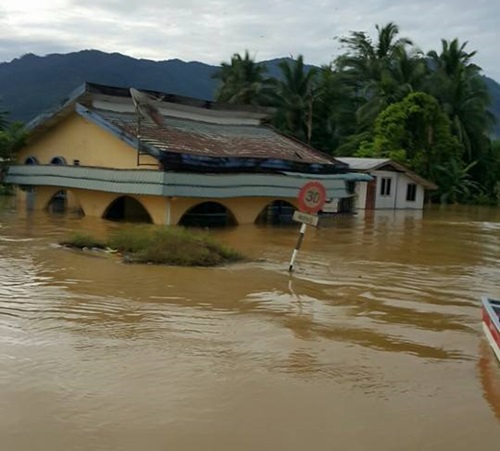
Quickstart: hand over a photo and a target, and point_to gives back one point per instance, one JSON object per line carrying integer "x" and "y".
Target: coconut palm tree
{"x": 242, "y": 81}
{"x": 457, "y": 84}
{"x": 366, "y": 60}
{"x": 334, "y": 114}
{"x": 383, "y": 71}
{"x": 294, "y": 94}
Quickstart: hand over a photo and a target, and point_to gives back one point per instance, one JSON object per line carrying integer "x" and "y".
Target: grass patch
{"x": 83, "y": 240}
{"x": 173, "y": 246}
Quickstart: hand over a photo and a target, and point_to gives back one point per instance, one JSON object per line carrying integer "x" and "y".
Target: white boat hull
{"x": 491, "y": 324}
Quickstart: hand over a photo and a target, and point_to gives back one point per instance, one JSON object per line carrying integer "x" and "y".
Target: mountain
{"x": 32, "y": 84}
{"x": 494, "y": 89}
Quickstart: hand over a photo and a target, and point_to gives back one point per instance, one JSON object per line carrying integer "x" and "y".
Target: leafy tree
{"x": 242, "y": 81}
{"x": 12, "y": 138}
{"x": 416, "y": 133}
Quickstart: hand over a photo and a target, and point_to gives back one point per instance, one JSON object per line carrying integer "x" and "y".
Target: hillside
{"x": 494, "y": 89}
{"x": 32, "y": 84}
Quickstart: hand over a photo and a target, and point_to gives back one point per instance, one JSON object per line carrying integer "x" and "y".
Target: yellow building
{"x": 197, "y": 163}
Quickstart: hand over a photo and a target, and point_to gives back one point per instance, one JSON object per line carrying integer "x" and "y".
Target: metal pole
{"x": 138, "y": 134}
{"x": 297, "y": 247}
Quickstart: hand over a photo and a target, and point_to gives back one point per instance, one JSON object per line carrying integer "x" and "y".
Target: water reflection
{"x": 489, "y": 374}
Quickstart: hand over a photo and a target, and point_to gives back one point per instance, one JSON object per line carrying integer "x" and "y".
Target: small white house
{"x": 393, "y": 186}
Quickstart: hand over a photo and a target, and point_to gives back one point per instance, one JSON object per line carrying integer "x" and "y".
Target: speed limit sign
{"x": 312, "y": 197}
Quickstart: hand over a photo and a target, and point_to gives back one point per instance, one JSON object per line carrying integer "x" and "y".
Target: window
{"x": 411, "y": 192}
{"x": 385, "y": 186}
{"x": 58, "y": 160}
{"x": 31, "y": 160}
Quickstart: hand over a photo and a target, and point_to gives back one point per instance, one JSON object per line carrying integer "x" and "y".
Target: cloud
{"x": 212, "y": 30}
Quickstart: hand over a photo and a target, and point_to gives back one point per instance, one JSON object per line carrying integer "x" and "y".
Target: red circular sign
{"x": 312, "y": 197}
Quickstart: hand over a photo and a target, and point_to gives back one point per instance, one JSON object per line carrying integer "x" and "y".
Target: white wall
{"x": 386, "y": 202}
{"x": 397, "y": 197}
{"x": 401, "y": 201}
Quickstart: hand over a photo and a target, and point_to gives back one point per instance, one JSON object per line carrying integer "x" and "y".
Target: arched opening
{"x": 64, "y": 201}
{"x": 208, "y": 214}
{"x": 278, "y": 212}
{"x": 58, "y": 161}
{"x": 127, "y": 209}
{"x": 58, "y": 203}
{"x": 31, "y": 160}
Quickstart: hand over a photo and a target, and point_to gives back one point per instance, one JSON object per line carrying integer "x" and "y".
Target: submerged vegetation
{"x": 384, "y": 97}
{"x": 174, "y": 246}
{"x": 12, "y": 138}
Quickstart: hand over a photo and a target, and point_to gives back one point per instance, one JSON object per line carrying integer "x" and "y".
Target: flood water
{"x": 375, "y": 342}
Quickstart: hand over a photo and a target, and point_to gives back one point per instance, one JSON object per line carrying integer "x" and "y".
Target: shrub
{"x": 164, "y": 245}
{"x": 132, "y": 239}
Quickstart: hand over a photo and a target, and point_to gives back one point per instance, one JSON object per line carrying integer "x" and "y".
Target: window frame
{"x": 385, "y": 186}
{"x": 411, "y": 192}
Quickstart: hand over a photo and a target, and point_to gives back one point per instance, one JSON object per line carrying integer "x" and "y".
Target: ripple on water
{"x": 103, "y": 345}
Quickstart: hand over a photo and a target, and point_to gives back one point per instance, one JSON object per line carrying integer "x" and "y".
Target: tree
{"x": 457, "y": 84}
{"x": 12, "y": 138}
{"x": 334, "y": 113}
{"x": 294, "y": 98}
{"x": 381, "y": 71}
{"x": 242, "y": 81}
{"x": 456, "y": 185}
{"x": 416, "y": 133}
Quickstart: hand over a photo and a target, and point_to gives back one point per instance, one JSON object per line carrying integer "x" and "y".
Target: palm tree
{"x": 242, "y": 81}
{"x": 334, "y": 114}
{"x": 367, "y": 60}
{"x": 382, "y": 72}
{"x": 457, "y": 185}
{"x": 457, "y": 84}
{"x": 294, "y": 98}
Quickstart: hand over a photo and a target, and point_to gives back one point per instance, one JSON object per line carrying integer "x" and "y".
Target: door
{"x": 371, "y": 193}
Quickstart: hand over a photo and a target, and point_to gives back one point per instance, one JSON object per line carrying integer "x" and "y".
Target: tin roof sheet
{"x": 215, "y": 140}
{"x": 363, "y": 164}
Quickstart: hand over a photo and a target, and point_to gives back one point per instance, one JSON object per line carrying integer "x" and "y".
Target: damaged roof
{"x": 216, "y": 140}
{"x": 192, "y": 129}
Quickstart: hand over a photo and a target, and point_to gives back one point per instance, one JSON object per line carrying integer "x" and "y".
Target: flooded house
{"x": 393, "y": 186}
{"x": 167, "y": 159}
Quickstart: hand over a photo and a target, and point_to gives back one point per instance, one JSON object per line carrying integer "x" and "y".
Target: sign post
{"x": 312, "y": 197}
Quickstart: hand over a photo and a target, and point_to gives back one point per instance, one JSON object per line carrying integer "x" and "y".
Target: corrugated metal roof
{"x": 363, "y": 164}
{"x": 196, "y": 134}
{"x": 215, "y": 140}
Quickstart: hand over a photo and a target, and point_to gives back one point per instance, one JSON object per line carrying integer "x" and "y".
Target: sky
{"x": 211, "y": 31}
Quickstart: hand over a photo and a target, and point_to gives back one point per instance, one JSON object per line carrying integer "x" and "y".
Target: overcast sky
{"x": 210, "y": 31}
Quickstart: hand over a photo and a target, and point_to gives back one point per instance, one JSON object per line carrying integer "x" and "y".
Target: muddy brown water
{"x": 374, "y": 343}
